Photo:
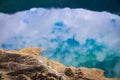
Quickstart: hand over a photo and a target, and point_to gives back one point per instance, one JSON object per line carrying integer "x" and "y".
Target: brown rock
{"x": 31, "y": 51}
{"x": 22, "y": 77}
{"x": 2, "y": 50}
{"x": 69, "y": 72}
{"x": 4, "y": 76}
{"x": 26, "y": 64}
{"x": 18, "y": 58}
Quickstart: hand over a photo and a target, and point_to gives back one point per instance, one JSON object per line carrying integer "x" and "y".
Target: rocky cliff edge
{"x": 27, "y": 64}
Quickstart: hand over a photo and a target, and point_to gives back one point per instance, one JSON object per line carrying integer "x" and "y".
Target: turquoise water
{"x": 91, "y": 54}
{"x": 74, "y": 37}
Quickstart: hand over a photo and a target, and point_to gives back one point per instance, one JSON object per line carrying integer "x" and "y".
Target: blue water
{"x": 74, "y": 37}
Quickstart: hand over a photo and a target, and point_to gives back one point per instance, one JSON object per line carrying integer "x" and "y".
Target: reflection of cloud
{"x": 117, "y": 69}
{"x": 39, "y": 22}
{"x": 72, "y": 36}
{"x": 85, "y": 24}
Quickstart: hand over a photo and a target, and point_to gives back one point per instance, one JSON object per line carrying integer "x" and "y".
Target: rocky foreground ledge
{"x": 27, "y": 64}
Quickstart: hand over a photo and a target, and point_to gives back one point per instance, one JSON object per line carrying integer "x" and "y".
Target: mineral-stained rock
{"x": 22, "y": 77}
{"x": 2, "y": 50}
{"x": 25, "y": 64}
{"x": 31, "y": 51}
{"x": 69, "y": 72}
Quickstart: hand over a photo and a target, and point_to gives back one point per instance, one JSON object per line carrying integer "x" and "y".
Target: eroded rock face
{"x": 25, "y": 64}
{"x": 84, "y": 74}
{"x": 31, "y": 51}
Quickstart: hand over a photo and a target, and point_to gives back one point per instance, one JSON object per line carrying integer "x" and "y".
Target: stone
{"x": 22, "y": 77}
{"x": 69, "y": 72}
{"x": 31, "y": 51}
{"x": 27, "y": 64}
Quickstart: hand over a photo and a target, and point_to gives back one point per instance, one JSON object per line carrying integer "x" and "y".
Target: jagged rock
{"x": 3, "y": 76}
{"x": 84, "y": 74}
{"x": 26, "y": 64}
{"x": 31, "y": 51}
{"x": 2, "y": 50}
{"x": 69, "y": 72}
{"x": 22, "y": 77}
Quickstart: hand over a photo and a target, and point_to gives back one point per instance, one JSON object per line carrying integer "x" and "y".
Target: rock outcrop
{"x": 26, "y": 64}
